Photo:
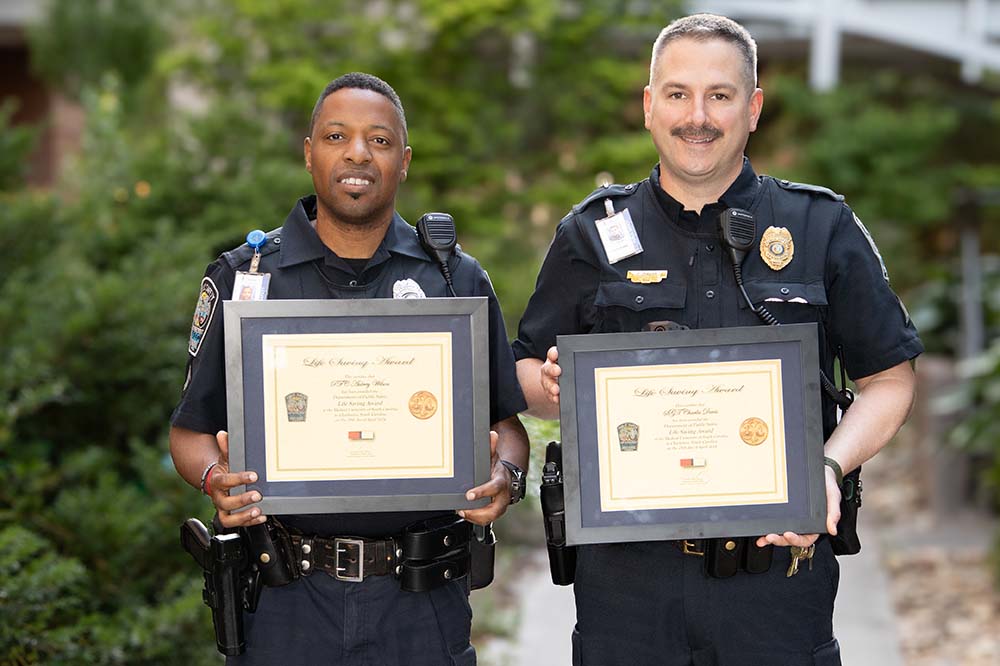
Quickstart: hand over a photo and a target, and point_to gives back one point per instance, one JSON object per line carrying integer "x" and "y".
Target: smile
{"x": 355, "y": 181}
{"x": 698, "y": 141}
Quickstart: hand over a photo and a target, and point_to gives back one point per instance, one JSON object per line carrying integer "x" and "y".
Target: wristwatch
{"x": 517, "y": 485}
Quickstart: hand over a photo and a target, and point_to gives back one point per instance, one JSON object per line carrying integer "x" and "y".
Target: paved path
{"x": 863, "y": 619}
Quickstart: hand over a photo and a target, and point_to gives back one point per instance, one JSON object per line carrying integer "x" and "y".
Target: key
{"x": 798, "y": 554}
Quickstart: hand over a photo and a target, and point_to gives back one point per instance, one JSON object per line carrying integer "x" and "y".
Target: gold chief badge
{"x": 777, "y": 248}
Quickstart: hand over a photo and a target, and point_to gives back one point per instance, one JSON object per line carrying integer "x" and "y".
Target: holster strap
{"x": 429, "y": 539}
{"x": 424, "y": 575}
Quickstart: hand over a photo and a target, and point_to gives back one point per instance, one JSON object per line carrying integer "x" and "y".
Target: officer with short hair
{"x": 346, "y": 241}
{"x": 650, "y": 603}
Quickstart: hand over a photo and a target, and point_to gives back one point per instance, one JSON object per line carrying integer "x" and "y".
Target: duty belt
{"x": 724, "y": 557}
{"x": 428, "y": 554}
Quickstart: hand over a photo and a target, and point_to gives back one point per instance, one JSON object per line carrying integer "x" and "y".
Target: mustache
{"x": 696, "y": 132}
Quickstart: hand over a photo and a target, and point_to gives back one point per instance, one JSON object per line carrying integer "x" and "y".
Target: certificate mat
{"x": 357, "y": 405}
{"x": 691, "y": 433}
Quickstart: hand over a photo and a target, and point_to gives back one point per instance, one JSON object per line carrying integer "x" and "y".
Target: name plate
{"x": 359, "y": 405}
{"x": 692, "y": 434}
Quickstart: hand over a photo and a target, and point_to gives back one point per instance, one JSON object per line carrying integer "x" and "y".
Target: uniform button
{"x": 639, "y": 300}
{"x": 277, "y": 240}
{"x": 353, "y": 283}
{"x": 784, "y": 291}
{"x": 709, "y": 294}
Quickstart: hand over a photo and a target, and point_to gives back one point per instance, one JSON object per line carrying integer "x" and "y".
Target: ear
{"x": 756, "y": 106}
{"x": 647, "y": 103}
{"x": 407, "y": 156}
{"x": 307, "y": 153}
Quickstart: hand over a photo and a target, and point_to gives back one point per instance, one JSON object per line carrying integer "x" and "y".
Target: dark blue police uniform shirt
{"x": 836, "y": 276}
{"x": 301, "y": 266}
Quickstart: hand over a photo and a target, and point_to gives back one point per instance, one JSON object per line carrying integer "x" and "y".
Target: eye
{"x": 675, "y": 95}
{"x": 381, "y": 140}
{"x": 720, "y": 96}
{"x": 335, "y": 136}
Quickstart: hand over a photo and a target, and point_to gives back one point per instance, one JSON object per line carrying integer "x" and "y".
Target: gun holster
{"x": 847, "y": 541}
{"x": 562, "y": 558}
{"x": 482, "y": 555}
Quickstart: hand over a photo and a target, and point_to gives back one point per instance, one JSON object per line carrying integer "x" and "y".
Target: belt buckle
{"x": 689, "y": 548}
{"x": 344, "y": 572}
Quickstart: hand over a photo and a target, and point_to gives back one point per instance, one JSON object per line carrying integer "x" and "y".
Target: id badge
{"x": 251, "y": 286}
{"x": 618, "y": 235}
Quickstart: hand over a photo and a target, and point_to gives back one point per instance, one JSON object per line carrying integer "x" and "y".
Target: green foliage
{"x": 16, "y": 143}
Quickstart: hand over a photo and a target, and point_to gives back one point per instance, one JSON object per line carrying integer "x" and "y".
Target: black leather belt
{"x": 428, "y": 554}
{"x": 345, "y": 558}
{"x": 725, "y": 557}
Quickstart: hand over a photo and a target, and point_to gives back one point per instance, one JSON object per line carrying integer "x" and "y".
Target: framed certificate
{"x": 359, "y": 405}
{"x": 692, "y": 434}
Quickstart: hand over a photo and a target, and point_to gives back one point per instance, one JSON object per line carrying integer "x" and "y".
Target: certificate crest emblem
{"x": 753, "y": 431}
{"x": 423, "y": 405}
{"x": 628, "y": 436}
{"x": 407, "y": 288}
{"x": 208, "y": 298}
{"x": 777, "y": 248}
{"x": 295, "y": 405}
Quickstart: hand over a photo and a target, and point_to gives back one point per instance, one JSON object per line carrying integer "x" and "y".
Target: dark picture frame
{"x": 796, "y": 345}
{"x": 246, "y": 322}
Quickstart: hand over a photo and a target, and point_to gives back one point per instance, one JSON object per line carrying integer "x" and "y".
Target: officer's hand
{"x": 550, "y": 375}
{"x": 497, "y": 489}
{"x": 832, "y": 518}
{"x": 221, "y": 480}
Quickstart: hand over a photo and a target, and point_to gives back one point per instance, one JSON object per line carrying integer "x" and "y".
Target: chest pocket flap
{"x": 806, "y": 293}
{"x": 638, "y": 297}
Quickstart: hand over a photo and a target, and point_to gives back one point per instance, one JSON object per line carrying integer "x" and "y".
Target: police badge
{"x": 628, "y": 436}
{"x": 407, "y": 288}
{"x": 776, "y": 247}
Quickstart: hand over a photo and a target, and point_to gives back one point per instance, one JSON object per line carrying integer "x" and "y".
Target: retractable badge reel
{"x": 618, "y": 234}
{"x": 252, "y": 285}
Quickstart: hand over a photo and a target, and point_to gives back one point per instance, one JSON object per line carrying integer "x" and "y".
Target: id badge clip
{"x": 618, "y": 234}
{"x": 251, "y": 285}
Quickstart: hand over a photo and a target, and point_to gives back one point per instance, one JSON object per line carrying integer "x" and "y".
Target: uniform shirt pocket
{"x": 790, "y": 302}
{"x": 624, "y": 307}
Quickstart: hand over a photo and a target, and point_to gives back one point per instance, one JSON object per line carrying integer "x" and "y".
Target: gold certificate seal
{"x": 753, "y": 431}
{"x": 423, "y": 404}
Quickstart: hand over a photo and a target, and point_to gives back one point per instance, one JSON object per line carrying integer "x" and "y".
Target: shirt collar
{"x": 739, "y": 195}
{"x": 300, "y": 242}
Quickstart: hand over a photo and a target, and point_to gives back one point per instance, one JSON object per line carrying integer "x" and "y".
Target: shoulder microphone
{"x": 436, "y": 232}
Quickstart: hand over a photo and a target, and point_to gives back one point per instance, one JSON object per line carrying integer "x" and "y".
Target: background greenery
{"x": 195, "y": 115}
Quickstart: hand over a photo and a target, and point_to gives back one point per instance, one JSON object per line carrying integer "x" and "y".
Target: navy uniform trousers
{"x": 320, "y": 620}
{"x": 686, "y": 618}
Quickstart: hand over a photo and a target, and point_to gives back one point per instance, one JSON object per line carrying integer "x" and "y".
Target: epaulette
{"x": 242, "y": 254}
{"x": 604, "y": 193}
{"x": 806, "y": 187}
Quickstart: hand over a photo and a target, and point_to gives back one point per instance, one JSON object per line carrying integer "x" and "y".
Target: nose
{"x": 357, "y": 151}
{"x": 698, "y": 112}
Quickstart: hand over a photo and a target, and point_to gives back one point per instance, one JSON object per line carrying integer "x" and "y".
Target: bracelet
{"x": 837, "y": 471}
{"x": 206, "y": 483}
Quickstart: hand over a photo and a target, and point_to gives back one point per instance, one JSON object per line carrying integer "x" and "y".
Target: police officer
{"x": 652, "y": 603}
{"x": 346, "y": 241}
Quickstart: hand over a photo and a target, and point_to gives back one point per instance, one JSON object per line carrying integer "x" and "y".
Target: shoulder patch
{"x": 611, "y": 191}
{"x": 208, "y": 299}
{"x": 242, "y": 254}
{"x": 878, "y": 255}
{"x": 806, "y": 187}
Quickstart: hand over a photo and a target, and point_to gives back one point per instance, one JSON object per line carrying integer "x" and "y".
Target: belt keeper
{"x": 305, "y": 565}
